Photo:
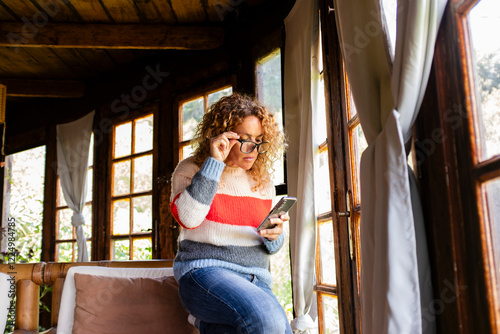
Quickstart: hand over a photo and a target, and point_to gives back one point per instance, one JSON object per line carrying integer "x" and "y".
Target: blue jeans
{"x": 224, "y": 301}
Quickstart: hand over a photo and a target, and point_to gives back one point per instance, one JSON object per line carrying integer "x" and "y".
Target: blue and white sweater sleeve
{"x": 192, "y": 196}
{"x": 274, "y": 246}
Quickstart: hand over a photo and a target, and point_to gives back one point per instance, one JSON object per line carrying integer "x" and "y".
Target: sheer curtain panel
{"x": 396, "y": 291}
{"x": 299, "y": 114}
{"x": 73, "y": 141}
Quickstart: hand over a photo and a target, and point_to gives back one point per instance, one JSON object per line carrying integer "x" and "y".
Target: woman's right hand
{"x": 221, "y": 145}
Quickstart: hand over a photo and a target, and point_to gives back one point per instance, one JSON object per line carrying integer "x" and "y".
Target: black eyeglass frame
{"x": 242, "y": 141}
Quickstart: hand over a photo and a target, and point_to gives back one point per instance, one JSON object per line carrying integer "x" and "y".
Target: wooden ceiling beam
{"x": 110, "y": 36}
{"x": 44, "y": 88}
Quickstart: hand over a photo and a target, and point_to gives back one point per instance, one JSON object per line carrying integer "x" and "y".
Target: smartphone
{"x": 282, "y": 207}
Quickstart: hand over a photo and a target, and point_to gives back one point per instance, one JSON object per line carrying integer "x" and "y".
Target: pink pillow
{"x": 120, "y": 305}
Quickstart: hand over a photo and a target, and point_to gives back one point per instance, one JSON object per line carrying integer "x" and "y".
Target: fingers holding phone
{"x": 280, "y": 210}
{"x": 277, "y": 230}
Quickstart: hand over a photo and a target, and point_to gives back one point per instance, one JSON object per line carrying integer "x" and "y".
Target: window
{"x": 326, "y": 275}
{"x": 268, "y": 77}
{"x": 338, "y": 262}
{"x": 269, "y": 93}
{"x": 357, "y": 144}
{"x": 132, "y": 189}
{"x": 477, "y": 20}
{"x": 23, "y": 200}
{"x": 66, "y": 246}
{"x": 192, "y": 112}
{"x": 460, "y": 167}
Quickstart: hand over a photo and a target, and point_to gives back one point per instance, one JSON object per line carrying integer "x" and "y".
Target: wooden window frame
{"x": 265, "y": 52}
{"x": 191, "y": 96}
{"x": 335, "y": 105}
{"x": 131, "y": 236}
{"x": 194, "y": 92}
{"x": 102, "y": 201}
{"x": 460, "y": 258}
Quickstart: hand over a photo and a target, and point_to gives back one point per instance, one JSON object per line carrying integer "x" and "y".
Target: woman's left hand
{"x": 273, "y": 233}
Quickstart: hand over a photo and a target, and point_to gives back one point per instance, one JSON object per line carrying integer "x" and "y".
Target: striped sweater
{"x": 219, "y": 214}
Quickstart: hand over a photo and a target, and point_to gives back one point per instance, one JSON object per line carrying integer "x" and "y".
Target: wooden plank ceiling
{"x": 49, "y": 47}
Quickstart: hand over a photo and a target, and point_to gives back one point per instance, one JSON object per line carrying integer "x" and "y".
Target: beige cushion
{"x": 128, "y": 305}
{"x": 67, "y": 307}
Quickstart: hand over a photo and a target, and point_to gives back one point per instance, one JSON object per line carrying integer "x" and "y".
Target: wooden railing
{"x": 29, "y": 277}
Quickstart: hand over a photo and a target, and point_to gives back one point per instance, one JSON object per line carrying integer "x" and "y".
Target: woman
{"x": 219, "y": 196}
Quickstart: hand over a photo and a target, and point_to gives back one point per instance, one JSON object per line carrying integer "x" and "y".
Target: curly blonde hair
{"x": 228, "y": 113}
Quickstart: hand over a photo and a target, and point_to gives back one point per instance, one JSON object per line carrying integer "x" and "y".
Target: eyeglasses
{"x": 248, "y": 146}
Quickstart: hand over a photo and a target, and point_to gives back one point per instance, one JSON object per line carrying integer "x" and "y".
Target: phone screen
{"x": 282, "y": 207}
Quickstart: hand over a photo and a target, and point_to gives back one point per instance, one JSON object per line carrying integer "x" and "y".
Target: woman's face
{"x": 250, "y": 129}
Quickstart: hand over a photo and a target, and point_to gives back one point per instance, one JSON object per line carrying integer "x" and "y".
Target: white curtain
{"x": 396, "y": 291}
{"x": 299, "y": 94}
{"x": 73, "y": 142}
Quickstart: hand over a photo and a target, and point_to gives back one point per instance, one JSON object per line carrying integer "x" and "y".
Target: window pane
{"x": 142, "y": 249}
{"x": 278, "y": 176}
{"x": 492, "y": 189}
{"x": 483, "y": 20}
{"x": 25, "y": 176}
{"x": 91, "y": 150}
{"x": 121, "y": 250}
{"x": 121, "y": 178}
{"x": 90, "y": 180}
{"x": 327, "y": 253}
{"x": 351, "y": 108}
{"x": 143, "y": 134}
{"x": 65, "y": 229}
{"x": 216, "y": 96}
{"x": 123, "y": 140}
{"x": 187, "y": 151}
{"x": 61, "y": 201}
{"x": 143, "y": 218}
{"x": 89, "y": 249}
{"x": 87, "y": 213}
{"x": 65, "y": 252}
{"x": 121, "y": 216}
{"x": 323, "y": 184}
{"x": 269, "y": 93}
{"x": 269, "y": 84}
{"x": 331, "y": 314}
{"x": 192, "y": 113}
{"x": 320, "y": 133}
{"x": 143, "y": 171}
{"x": 358, "y": 146}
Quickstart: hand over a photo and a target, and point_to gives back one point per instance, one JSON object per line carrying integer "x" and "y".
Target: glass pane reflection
{"x": 121, "y": 216}
{"x": 142, "y": 249}
{"x": 192, "y": 113}
{"x": 327, "y": 253}
{"x": 143, "y": 171}
{"x": 359, "y": 144}
{"x": 492, "y": 192}
{"x": 121, "y": 178}
{"x": 143, "y": 134}
{"x": 123, "y": 142}
{"x": 216, "y": 96}
{"x": 484, "y": 19}
{"x": 331, "y": 314}
{"x": 323, "y": 184}
{"x": 121, "y": 250}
